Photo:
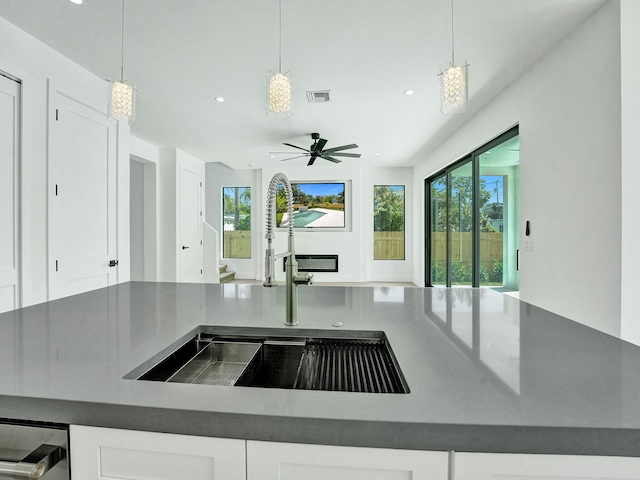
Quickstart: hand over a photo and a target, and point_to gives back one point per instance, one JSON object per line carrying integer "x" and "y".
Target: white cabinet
{"x": 291, "y": 461}
{"x": 104, "y": 453}
{"x": 109, "y": 454}
{"x": 497, "y": 466}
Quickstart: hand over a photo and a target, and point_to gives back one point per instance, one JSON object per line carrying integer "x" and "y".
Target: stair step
{"x": 222, "y": 268}
{"x": 227, "y": 277}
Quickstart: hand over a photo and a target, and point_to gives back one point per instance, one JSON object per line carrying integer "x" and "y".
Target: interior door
{"x": 9, "y": 194}
{"x": 83, "y": 199}
{"x": 190, "y": 227}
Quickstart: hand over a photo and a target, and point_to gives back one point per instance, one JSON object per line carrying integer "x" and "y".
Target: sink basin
{"x": 349, "y": 361}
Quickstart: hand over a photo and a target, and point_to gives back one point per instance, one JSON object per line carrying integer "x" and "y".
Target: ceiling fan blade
{"x": 311, "y": 160}
{"x": 293, "y": 158}
{"x": 331, "y": 159}
{"x": 294, "y": 146}
{"x": 343, "y": 147}
{"x": 354, "y": 155}
{"x": 320, "y": 145}
{"x": 284, "y": 153}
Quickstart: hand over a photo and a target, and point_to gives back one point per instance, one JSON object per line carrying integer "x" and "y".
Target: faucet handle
{"x": 303, "y": 279}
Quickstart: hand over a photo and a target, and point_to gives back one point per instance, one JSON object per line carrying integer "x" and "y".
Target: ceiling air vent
{"x": 318, "y": 96}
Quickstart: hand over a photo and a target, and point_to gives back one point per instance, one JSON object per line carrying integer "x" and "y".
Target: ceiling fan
{"x": 317, "y": 150}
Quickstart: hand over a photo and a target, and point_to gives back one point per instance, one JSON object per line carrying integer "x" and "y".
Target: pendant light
{"x": 454, "y": 87}
{"x": 279, "y": 93}
{"x": 122, "y": 100}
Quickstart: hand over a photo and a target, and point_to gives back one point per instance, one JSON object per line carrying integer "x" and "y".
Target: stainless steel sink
{"x": 350, "y": 361}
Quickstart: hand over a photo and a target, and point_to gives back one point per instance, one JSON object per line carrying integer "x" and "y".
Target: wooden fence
{"x": 388, "y": 245}
{"x": 237, "y": 244}
{"x": 462, "y": 247}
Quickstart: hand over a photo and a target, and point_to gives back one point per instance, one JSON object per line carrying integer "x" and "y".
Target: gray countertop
{"x": 486, "y": 371}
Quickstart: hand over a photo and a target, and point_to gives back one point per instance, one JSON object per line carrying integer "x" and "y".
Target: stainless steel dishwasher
{"x": 33, "y": 450}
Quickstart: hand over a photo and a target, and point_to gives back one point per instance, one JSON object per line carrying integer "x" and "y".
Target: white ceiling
{"x": 181, "y": 54}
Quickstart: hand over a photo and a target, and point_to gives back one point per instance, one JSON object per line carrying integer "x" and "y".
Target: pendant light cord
{"x": 122, "y": 44}
{"x": 279, "y": 37}
{"x": 452, "y": 54}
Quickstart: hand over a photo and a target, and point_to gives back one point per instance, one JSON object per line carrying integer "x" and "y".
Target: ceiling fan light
{"x": 453, "y": 87}
{"x": 279, "y": 97}
{"x": 122, "y": 101}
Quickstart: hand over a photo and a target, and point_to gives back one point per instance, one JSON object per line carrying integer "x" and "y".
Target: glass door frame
{"x": 474, "y": 158}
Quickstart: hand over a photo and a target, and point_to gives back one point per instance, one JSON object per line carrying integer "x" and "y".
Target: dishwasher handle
{"x": 34, "y": 465}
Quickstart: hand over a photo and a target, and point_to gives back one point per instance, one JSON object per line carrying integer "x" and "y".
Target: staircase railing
{"x": 211, "y": 252}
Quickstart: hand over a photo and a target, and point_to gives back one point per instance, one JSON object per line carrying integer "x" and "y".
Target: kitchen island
{"x": 486, "y": 372}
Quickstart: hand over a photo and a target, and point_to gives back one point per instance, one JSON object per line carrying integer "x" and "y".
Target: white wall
{"x": 167, "y": 219}
{"x": 144, "y": 210}
{"x": 630, "y": 73}
{"x": 388, "y": 270}
{"x": 137, "y": 220}
{"x": 353, "y": 244}
{"x": 348, "y": 243}
{"x": 35, "y": 64}
{"x": 568, "y": 108}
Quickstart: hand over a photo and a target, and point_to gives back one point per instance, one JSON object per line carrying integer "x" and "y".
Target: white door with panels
{"x": 9, "y": 194}
{"x": 190, "y": 227}
{"x": 82, "y": 192}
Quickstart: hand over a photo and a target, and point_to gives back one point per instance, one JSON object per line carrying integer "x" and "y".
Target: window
{"x": 236, "y": 223}
{"x": 388, "y": 222}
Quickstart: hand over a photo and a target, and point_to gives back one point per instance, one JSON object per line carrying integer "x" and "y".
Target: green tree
{"x": 388, "y": 208}
{"x": 461, "y": 205}
{"x": 237, "y": 207}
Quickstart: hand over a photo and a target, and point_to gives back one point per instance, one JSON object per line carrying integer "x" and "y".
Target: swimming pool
{"x": 302, "y": 219}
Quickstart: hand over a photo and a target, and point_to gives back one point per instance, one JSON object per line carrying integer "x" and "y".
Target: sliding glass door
{"x": 460, "y": 213}
{"x": 499, "y": 211}
{"x": 438, "y": 231}
{"x": 473, "y": 220}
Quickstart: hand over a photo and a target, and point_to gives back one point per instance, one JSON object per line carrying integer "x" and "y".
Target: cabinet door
{"x": 105, "y": 453}
{"x": 290, "y": 461}
{"x": 493, "y": 466}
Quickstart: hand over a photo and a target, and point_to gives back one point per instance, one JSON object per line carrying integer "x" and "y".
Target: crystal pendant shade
{"x": 280, "y": 102}
{"x": 454, "y": 87}
{"x": 122, "y": 103}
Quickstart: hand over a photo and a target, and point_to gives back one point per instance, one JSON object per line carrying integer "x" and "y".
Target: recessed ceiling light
{"x": 219, "y": 99}
{"x": 378, "y": 153}
{"x": 77, "y": 2}
{"x": 409, "y": 92}
{"x": 272, "y": 156}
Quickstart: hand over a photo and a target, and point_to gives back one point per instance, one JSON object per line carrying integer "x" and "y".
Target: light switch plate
{"x": 528, "y": 244}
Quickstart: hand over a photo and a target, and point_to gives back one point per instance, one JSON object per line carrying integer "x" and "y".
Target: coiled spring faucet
{"x": 293, "y": 278}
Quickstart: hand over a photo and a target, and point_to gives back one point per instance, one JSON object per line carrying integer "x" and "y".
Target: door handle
{"x": 183, "y": 247}
{"x": 113, "y": 263}
{"x": 34, "y": 465}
